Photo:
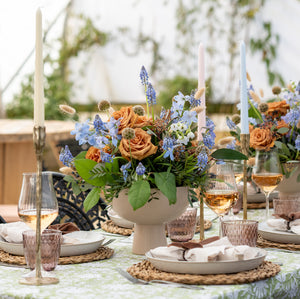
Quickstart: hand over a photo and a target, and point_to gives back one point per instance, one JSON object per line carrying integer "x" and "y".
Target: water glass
{"x": 50, "y": 248}
{"x": 182, "y": 229}
{"x": 286, "y": 206}
{"x": 240, "y": 232}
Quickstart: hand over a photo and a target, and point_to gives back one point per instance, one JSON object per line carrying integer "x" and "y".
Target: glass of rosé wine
{"x": 221, "y": 190}
{"x": 266, "y": 173}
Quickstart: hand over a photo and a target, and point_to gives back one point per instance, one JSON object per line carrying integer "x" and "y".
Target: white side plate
{"x": 218, "y": 267}
{"x": 85, "y": 246}
{"x": 271, "y": 234}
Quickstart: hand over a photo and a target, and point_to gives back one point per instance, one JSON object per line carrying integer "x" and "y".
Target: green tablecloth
{"x": 101, "y": 280}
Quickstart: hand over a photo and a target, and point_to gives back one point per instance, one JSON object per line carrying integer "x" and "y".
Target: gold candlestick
{"x": 39, "y": 137}
{"x": 245, "y": 138}
{"x": 201, "y": 220}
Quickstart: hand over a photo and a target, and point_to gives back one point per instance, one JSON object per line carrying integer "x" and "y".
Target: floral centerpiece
{"x": 137, "y": 151}
{"x": 273, "y": 124}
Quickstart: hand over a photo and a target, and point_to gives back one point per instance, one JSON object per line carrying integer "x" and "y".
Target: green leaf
{"x": 81, "y": 155}
{"x": 92, "y": 199}
{"x": 278, "y": 144}
{"x": 253, "y": 112}
{"x": 286, "y": 150}
{"x": 228, "y": 154}
{"x": 298, "y": 178}
{"x": 283, "y": 130}
{"x": 76, "y": 188}
{"x": 83, "y": 167}
{"x": 166, "y": 183}
{"x": 139, "y": 194}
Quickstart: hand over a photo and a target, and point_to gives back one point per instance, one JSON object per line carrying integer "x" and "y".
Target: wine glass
{"x": 267, "y": 173}
{"x": 221, "y": 190}
{"x": 27, "y": 210}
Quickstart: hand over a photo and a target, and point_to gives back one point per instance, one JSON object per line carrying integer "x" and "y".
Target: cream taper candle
{"x": 39, "y": 110}
{"x": 243, "y": 91}
{"x": 201, "y": 84}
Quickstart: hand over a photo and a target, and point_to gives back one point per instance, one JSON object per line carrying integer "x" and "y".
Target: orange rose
{"x": 282, "y": 124}
{"x": 128, "y": 117}
{"x": 262, "y": 139}
{"x": 140, "y": 146}
{"x": 94, "y": 153}
{"x": 142, "y": 121}
{"x": 277, "y": 109}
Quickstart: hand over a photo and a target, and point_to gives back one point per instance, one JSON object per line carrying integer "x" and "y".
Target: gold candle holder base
{"x": 245, "y": 139}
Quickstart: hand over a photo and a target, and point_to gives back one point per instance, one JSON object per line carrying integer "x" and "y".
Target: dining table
{"x": 101, "y": 279}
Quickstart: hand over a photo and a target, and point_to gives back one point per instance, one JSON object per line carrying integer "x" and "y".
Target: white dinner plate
{"x": 119, "y": 221}
{"x": 218, "y": 267}
{"x": 271, "y": 234}
{"x": 87, "y": 245}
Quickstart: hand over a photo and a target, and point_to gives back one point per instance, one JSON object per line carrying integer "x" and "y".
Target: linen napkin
{"x": 65, "y": 228}
{"x": 285, "y": 225}
{"x": 172, "y": 253}
{"x": 12, "y": 232}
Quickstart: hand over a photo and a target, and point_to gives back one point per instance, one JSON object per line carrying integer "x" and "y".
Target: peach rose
{"x": 142, "y": 121}
{"x": 94, "y": 153}
{"x": 262, "y": 139}
{"x": 277, "y": 109}
{"x": 140, "y": 146}
{"x": 282, "y": 124}
{"x": 128, "y": 117}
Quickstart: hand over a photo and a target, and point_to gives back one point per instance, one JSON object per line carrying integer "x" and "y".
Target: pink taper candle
{"x": 39, "y": 110}
{"x": 201, "y": 83}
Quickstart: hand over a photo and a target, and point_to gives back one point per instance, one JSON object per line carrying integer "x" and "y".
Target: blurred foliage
{"x": 57, "y": 86}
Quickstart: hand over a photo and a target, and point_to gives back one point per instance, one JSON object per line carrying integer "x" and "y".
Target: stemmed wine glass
{"x": 221, "y": 191}
{"x": 27, "y": 208}
{"x": 267, "y": 173}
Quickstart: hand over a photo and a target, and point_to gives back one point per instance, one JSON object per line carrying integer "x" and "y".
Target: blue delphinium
{"x": 106, "y": 157}
{"x": 252, "y": 121}
{"x": 189, "y": 117}
{"x": 124, "y": 168}
{"x": 113, "y": 128}
{"x": 168, "y": 146}
{"x": 297, "y": 143}
{"x": 292, "y": 117}
{"x": 140, "y": 170}
{"x": 151, "y": 95}
{"x": 66, "y": 156}
{"x": 99, "y": 125}
{"x": 144, "y": 76}
{"x": 202, "y": 160}
{"x": 81, "y": 132}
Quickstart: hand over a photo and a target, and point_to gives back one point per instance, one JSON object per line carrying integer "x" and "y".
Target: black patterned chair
{"x": 71, "y": 206}
{"x": 2, "y": 220}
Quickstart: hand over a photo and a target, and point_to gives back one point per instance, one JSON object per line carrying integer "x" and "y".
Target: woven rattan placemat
{"x": 263, "y": 243}
{"x": 146, "y": 271}
{"x": 110, "y": 227}
{"x": 258, "y": 205}
{"x": 101, "y": 253}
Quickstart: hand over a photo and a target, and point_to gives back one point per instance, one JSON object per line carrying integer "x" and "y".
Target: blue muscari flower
{"x": 144, "y": 76}
{"x": 140, "y": 170}
{"x": 194, "y": 102}
{"x": 231, "y": 145}
{"x": 210, "y": 124}
{"x": 168, "y": 146}
{"x": 202, "y": 160}
{"x": 66, "y": 156}
{"x": 189, "y": 117}
{"x": 252, "y": 120}
{"x": 99, "y": 125}
{"x": 208, "y": 140}
{"x": 82, "y": 132}
{"x": 151, "y": 95}
{"x": 230, "y": 124}
{"x": 106, "y": 157}
{"x": 297, "y": 143}
{"x": 125, "y": 171}
{"x": 292, "y": 117}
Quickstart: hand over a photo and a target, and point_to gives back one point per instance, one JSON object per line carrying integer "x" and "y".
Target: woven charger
{"x": 101, "y": 253}
{"x": 263, "y": 243}
{"x": 258, "y": 205}
{"x": 110, "y": 227}
{"x": 146, "y": 271}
